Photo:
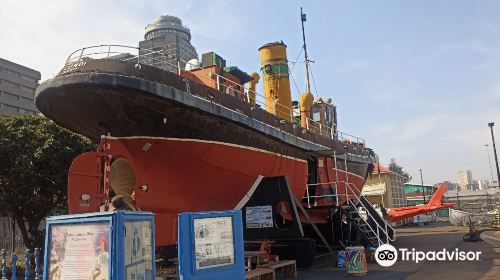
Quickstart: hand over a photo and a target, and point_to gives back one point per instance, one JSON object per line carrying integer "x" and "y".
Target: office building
{"x": 170, "y": 41}
{"x": 464, "y": 179}
{"x": 17, "y": 89}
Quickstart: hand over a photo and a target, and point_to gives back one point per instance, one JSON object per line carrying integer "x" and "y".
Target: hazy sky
{"x": 419, "y": 80}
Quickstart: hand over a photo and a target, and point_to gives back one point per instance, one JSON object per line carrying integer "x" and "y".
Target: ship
{"x": 199, "y": 139}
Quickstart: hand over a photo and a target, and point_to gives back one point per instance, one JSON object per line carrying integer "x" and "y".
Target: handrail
{"x": 138, "y": 53}
{"x": 387, "y": 225}
{"x": 350, "y": 201}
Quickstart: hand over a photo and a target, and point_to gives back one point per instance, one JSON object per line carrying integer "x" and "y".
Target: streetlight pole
{"x": 422, "y": 181}
{"x": 489, "y": 161}
{"x": 494, "y": 150}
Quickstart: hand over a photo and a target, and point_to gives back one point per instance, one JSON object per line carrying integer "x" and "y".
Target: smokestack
{"x": 274, "y": 66}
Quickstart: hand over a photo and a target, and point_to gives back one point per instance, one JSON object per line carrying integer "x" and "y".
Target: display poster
{"x": 79, "y": 251}
{"x": 259, "y": 217}
{"x": 138, "y": 250}
{"x": 214, "y": 244}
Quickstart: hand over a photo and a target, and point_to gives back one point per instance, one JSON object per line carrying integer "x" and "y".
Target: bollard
{"x": 14, "y": 266}
{"x": 27, "y": 262}
{"x": 4, "y": 264}
{"x": 37, "y": 264}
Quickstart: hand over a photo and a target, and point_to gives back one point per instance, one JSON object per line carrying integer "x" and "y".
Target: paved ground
{"x": 428, "y": 238}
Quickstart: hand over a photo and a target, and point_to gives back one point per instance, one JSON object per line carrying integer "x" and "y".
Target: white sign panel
{"x": 374, "y": 189}
{"x": 259, "y": 217}
{"x": 214, "y": 244}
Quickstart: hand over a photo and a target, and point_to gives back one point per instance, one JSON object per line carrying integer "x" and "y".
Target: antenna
{"x": 303, "y": 19}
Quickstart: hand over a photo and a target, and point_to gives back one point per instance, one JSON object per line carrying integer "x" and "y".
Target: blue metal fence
{"x": 12, "y": 272}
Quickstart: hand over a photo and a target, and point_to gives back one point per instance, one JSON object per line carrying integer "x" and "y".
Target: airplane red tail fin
{"x": 438, "y": 195}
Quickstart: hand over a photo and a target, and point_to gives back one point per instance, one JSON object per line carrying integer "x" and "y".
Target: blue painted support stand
{"x": 4, "y": 264}
{"x": 27, "y": 263}
{"x": 37, "y": 264}
{"x": 14, "y": 266}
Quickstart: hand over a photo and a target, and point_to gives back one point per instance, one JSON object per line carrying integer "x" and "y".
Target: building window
{"x": 11, "y": 84}
{"x": 28, "y": 78}
{"x": 26, "y": 89}
{"x": 11, "y": 108}
{"x": 11, "y": 96}
{"x": 10, "y": 72}
{"x": 26, "y": 99}
{"x": 27, "y": 112}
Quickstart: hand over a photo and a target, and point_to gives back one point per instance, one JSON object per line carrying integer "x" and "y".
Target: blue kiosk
{"x": 120, "y": 245}
{"x": 100, "y": 246}
{"x": 211, "y": 246}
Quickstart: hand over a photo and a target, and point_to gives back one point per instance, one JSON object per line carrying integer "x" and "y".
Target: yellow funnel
{"x": 274, "y": 66}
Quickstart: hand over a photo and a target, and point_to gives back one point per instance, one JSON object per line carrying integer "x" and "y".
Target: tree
{"x": 35, "y": 156}
{"x": 394, "y": 167}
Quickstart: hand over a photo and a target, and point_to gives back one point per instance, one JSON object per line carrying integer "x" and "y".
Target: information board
{"x": 211, "y": 245}
{"x": 116, "y": 245}
{"x": 213, "y": 242}
{"x": 79, "y": 251}
{"x": 259, "y": 216}
{"x": 137, "y": 249}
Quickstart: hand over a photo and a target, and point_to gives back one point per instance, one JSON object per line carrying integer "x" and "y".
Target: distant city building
{"x": 494, "y": 185}
{"x": 449, "y": 185}
{"x": 17, "y": 89}
{"x": 464, "y": 179}
{"x": 415, "y": 193}
{"x": 482, "y": 184}
{"x": 170, "y": 40}
{"x": 474, "y": 200}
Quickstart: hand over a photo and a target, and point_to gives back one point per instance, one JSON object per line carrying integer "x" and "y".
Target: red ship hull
{"x": 192, "y": 175}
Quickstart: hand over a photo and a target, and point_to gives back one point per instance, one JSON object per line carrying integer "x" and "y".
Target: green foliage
{"x": 394, "y": 167}
{"x": 35, "y": 156}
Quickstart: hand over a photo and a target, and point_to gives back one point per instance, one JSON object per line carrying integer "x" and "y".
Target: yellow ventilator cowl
{"x": 274, "y": 68}
{"x": 329, "y": 101}
{"x": 306, "y": 100}
{"x": 253, "y": 83}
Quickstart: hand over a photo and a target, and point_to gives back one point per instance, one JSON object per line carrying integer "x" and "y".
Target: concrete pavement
{"x": 432, "y": 237}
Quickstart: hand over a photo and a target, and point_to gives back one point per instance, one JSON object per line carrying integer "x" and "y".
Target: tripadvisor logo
{"x": 387, "y": 255}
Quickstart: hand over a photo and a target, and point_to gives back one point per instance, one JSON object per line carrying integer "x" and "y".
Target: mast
{"x": 302, "y": 19}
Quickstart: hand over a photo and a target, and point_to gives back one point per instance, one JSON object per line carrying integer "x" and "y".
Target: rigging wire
{"x": 293, "y": 66}
{"x": 314, "y": 82}
{"x": 296, "y": 59}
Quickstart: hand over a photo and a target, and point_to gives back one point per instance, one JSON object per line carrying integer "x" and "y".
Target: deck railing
{"x": 157, "y": 59}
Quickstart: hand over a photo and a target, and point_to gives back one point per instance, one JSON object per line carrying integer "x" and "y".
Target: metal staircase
{"x": 375, "y": 229}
